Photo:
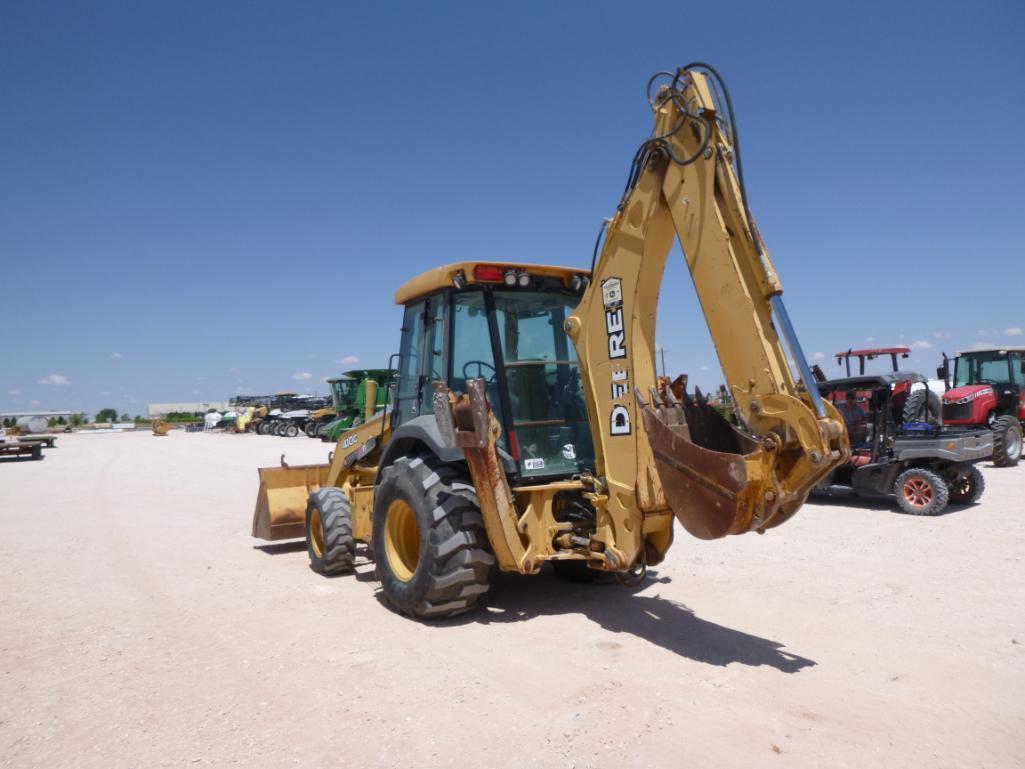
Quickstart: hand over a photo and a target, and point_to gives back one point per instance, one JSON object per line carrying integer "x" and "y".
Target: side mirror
{"x": 943, "y": 372}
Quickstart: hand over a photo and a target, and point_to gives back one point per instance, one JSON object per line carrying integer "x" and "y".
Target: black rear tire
{"x": 969, "y": 488}
{"x": 311, "y": 429}
{"x": 430, "y": 546}
{"x": 290, "y": 430}
{"x": 329, "y": 541}
{"x": 921, "y": 492}
{"x": 1006, "y": 441}
{"x": 922, "y": 405}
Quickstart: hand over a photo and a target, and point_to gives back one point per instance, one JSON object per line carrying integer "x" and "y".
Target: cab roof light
{"x": 488, "y": 273}
{"x": 523, "y": 279}
{"x": 510, "y": 277}
{"x": 459, "y": 280}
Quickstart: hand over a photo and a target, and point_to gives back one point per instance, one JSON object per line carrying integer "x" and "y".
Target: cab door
{"x": 421, "y": 358}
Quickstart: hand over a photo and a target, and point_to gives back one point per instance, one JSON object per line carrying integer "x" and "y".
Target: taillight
{"x": 488, "y": 273}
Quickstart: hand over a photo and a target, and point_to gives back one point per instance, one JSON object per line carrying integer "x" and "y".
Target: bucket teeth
{"x": 699, "y": 397}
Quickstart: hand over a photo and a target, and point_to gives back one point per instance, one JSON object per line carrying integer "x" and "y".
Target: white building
{"x": 163, "y": 409}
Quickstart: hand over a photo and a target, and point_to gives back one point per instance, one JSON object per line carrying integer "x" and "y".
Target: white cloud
{"x": 704, "y": 368}
{"x": 55, "y": 379}
{"x": 243, "y": 390}
{"x": 33, "y": 403}
{"x": 987, "y": 332}
{"x": 819, "y": 356}
{"x": 300, "y": 376}
{"x": 14, "y": 392}
{"x": 870, "y": 338}
{"x": 920, "y": 345}
{"x": 195, "y": 392}
{"x": 941, "y": 335}
{"x": 983, "y": 345}
{"x": 116, "y": 356}
{"x": 1013, "y": 331}
{"x": 347, "y": 359}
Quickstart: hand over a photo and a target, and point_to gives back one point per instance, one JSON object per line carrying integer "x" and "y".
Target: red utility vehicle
{"x": 908, "y": 402}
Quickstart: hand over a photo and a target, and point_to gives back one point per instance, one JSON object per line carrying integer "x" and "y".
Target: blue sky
{"x": 199, "y": 199}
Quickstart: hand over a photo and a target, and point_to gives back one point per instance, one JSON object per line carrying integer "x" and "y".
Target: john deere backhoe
{"x": 528, "y": 425}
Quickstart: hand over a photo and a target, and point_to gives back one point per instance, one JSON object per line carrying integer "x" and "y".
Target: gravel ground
{"x": 141, "y": 626}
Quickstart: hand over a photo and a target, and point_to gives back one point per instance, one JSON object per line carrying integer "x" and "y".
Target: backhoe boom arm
{"x": 654, "y": 453}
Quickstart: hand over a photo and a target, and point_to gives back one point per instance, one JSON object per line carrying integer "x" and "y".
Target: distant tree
{"x": 61, "y": 421}
{"x": 79, "y": 419}
{"x": 106, "y": 415}
{"x": 124, "y": 417}
{"x": 9, "y": 422}
{"x": 51, "y": 422}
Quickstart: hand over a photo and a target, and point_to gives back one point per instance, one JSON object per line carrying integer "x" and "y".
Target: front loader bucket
{"x": 715, "y": 479}
{"x": 281, "y": 501}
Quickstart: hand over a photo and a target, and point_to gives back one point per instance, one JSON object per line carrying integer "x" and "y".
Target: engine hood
{"x": 967, "y": 393}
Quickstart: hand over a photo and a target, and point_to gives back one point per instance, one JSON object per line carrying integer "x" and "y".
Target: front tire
{"x": 311, "y": 429}
{"x": 329, "y": 541}
{"x": 921, "y": 492}
{"x": 1006, "y": 441}
{"x": 969, "y": 488}
{"x": 430, "y": 546}
{"x": 290, "y": 430}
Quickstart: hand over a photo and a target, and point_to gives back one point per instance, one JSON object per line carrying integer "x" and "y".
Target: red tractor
{"x": 988, "y": 390}
{"x": 912, "y": 399}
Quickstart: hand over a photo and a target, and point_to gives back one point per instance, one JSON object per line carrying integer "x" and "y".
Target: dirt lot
{"x": 143, "y": 627}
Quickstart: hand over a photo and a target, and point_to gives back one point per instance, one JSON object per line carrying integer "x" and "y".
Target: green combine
{"x": 348, "y": 392}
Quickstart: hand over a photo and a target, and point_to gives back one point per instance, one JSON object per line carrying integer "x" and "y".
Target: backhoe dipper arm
{"x": 653, "y": 453}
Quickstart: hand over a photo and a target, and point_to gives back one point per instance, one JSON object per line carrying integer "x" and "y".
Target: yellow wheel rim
{"x": 401, "y": 540}
{"x": 317, "y": 533}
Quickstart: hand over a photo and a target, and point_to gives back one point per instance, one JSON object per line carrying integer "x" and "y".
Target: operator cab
{"x": 871, "y": 413}
{"x": 505, "y": 324}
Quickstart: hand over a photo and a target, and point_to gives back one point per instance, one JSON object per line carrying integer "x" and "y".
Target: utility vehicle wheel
{"x": 432, "y": 553}
{"x": 922, "y": 406}
{"x": 290, "y": 430}
{"x": 311, "y": 429}
{"x": 279, "y": 429}
{"x": 921, "y": 492}
{"x": 968, "y": 490}
{"x": 1006, "y": 441}
{"x": 329, "y": 540}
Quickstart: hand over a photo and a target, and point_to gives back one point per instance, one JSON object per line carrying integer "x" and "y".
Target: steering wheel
{"x": 481, "y": 365}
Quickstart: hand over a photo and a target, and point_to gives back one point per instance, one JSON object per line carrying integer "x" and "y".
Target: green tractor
{"x": 349, "y": 393}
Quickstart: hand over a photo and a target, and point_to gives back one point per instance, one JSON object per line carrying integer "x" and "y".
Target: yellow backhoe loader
{"x": 527, "y": 424}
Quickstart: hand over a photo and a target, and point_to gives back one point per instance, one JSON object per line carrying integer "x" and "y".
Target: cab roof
{"x": 994, "y": 348}
{"x": 442, "y": 277}
{"x": 872, "y": 353}
{"x": 869, "y": 381}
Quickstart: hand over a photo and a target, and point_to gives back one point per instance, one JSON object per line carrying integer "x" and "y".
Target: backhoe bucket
{"x": 715, "y": 478}
{"x": 281, "y": 501}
